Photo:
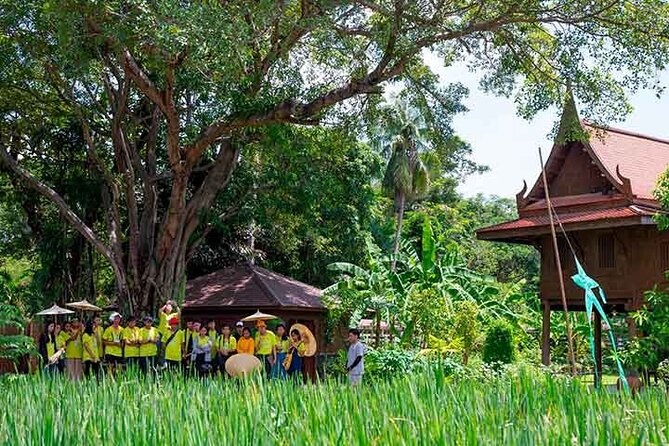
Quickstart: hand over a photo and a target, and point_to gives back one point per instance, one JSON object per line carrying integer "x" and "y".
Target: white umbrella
{"x": 54, "y": 311}
{"x": 84, "y": 305}
{"x": 258, "y": 316}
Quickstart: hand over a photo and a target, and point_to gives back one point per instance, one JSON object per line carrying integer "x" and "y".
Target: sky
{"x": 507, "y": 143}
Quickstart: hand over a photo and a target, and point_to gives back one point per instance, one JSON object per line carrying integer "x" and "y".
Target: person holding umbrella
{"x": 264, "y": 343}
{"x": 61, "y": 340}
{"x": 48, "y": 348}
{"x": 74, "y": 351}
{"x": 113, "y": 341}
{"x": 148, "y": 345}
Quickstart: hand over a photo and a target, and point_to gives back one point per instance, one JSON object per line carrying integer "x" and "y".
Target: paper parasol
{"x": 308, "y": 339}
{"x": 242, "y": 364}
{"x": 258, "y": 316}
{"x": 84, "y": 305}
{"x": 54, "y": 311}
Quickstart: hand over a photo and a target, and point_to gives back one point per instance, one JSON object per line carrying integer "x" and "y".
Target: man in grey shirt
{"x": 355, "y": 364}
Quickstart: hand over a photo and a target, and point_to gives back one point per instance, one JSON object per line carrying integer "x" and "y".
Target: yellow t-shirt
{"x": 98, "y": 331}
{"x": 92, "y": 343}
{"x": 214, "y": 341}
{"x": 164, "y": 321}
{"x": 74, "y": 349}
{"x": 202, "y": 340}
{"x": 61, "y": 339}
{"x": 246, "y": 346}
{"x": 230, "y": 344}
{"x": 50, "y": 348}
{"x": 112, "y": 335}
{"x": 148, "y": 334}
{"x": 174, "y": 346}
{"x": 282, "y": 345}
{"x": 131, "y": 335}
{"x": 265, "y": 343}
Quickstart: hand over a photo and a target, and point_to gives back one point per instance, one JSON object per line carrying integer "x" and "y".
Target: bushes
{"x": 390, "y": 362}
{"x": 499, "y": 344}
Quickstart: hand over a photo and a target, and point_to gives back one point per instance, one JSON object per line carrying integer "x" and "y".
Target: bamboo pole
{"x": 570, "y": 343}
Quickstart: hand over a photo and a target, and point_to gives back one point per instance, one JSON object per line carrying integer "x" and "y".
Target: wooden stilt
{"x": 598, "y": 348}
{"x": 558, "y": 264}
{"x": 546, "y": 335}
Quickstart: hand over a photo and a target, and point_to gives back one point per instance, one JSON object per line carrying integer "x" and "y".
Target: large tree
{"x": 167, "y": 94}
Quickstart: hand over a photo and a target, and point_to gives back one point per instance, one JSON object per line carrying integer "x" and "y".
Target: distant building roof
{"x": 250, "y": 286}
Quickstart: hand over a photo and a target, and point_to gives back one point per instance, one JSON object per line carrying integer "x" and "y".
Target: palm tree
{"x": 406, "y": 176}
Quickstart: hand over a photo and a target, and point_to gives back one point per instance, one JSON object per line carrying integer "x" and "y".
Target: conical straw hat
{"x": 242, "y": 364}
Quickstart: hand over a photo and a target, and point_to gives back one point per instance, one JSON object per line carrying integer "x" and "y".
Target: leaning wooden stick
{"x": 570, "y": 343}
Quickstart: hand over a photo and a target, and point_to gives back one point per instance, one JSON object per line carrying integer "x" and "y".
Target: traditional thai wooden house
{"x": 601, "y": 183}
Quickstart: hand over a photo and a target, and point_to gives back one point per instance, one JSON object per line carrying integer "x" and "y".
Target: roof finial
{"x": 570, "y": 129}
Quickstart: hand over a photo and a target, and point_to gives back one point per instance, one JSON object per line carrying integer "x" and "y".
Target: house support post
{"x": 546, "y": 335}
{"x": 598, "y": 348}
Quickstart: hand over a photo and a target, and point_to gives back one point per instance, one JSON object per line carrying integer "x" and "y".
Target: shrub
{"x": 466, "y": 327}
{"x": 663, "y": 371}
{"x": 389, "y": 362}
{"x": 499, "y": 344}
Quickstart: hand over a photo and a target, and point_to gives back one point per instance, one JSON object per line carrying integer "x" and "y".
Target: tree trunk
{"x": 400, "y": 199}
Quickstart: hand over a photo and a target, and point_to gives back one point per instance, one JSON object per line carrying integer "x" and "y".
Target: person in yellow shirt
{"x": 201, "y": 354}
{"x": 296, "y": 352}
{"x": 91, "y": 353}
{"x": 148, "y": 345}
{"x": 190, "y": 336}
{"x": 246, "y": 344}
{"x": 166, "y": 313}
{"x": 227, "y": 346}
{"x": 281, "y": 348}
{"x": 213, "y": 335}
{"x": 264, "y": 343}
{"x": 47, "y": 348}
{"x": 74, "y": 352}
{"x": 173, "y": 344}
{"x": 98, "y": 331}
{"x": 113, "y": 341}
{"x": 61, "y": 340}
{"x": 131, "y": 343}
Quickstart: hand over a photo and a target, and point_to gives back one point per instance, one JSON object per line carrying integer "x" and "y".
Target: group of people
{"x": 78, "y": 349}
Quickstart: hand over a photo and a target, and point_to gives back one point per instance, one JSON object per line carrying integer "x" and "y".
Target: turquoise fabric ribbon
{"x": 589, "y": 285}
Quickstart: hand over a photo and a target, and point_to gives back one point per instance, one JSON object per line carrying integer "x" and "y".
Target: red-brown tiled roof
{"x": 575, "y": 200}
{"x": 611, "y": 215}
{"x": 640, "y": 158}
{"x": 249, "y": 286}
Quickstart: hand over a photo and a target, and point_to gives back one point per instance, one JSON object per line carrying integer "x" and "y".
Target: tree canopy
{"x": 166, "y": 97}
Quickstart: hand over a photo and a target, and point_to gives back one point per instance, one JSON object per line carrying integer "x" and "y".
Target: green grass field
{"x": 427, "y": 409}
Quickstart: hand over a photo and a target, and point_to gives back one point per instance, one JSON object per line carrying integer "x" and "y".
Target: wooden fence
{"x": 25, "y": 364}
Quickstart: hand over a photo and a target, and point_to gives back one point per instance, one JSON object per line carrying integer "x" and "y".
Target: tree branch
{"x": 66, "y": 211}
